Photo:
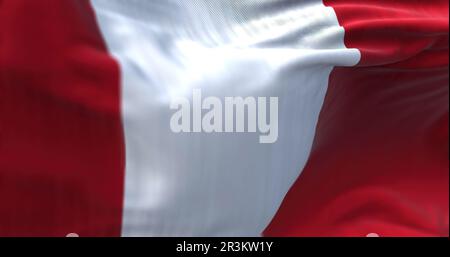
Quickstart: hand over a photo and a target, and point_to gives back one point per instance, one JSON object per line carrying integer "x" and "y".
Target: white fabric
{"x": 216, "y": 184}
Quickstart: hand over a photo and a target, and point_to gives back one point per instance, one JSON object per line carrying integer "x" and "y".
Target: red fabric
{"x": 61, "y": 146}
{"x": 379, "y": 162}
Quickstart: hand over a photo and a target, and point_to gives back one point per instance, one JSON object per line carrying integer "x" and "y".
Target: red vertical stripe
{"x": 379, "y": 163}
{"x": 61, "y": 145}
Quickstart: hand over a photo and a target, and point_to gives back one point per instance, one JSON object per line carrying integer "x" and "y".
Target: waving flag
{"x": 114, "y": 118}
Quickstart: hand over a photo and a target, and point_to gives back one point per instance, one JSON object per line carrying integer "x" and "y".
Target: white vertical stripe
{"x": 218, "y": 184}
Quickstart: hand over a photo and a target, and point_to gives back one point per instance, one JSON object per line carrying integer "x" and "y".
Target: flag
{"x": 224, "y": 118}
